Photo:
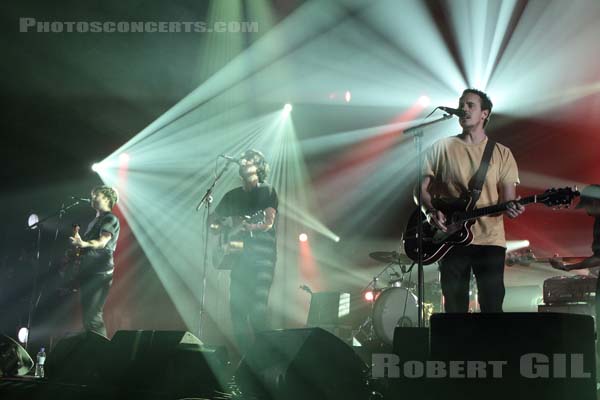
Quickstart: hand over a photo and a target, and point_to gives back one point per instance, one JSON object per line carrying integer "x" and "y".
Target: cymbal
{"x": 390, "y": 257}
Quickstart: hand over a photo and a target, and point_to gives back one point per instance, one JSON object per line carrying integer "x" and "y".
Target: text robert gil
{"x": 531, "y": 365}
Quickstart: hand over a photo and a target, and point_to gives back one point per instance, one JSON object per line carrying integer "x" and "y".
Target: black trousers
{"x": 93, "y": 294}
{"x": 249, "y": 295}
{"x": 487, "y": 263}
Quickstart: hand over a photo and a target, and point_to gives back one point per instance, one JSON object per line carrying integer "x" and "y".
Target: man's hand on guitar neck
{"x": 515, "y": 208}
{"x": 508, "y": 192}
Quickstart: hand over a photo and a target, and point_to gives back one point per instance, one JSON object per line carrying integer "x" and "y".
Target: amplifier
{"x": 569, "y": 289}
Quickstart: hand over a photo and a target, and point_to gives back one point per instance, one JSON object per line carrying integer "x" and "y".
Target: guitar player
{"x": 96, "y": 260}
{"x": 449, "y": 168}
{"x": 252, "y": 272}
{"x": 590, "y": 201}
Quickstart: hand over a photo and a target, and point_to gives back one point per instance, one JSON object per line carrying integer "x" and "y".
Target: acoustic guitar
{"x": 229, "y": 239}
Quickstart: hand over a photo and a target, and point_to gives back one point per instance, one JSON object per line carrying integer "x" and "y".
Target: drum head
{"x": 394, "y": 307}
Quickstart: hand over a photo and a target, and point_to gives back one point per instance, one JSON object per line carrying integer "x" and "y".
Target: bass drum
{"x": 394, "y": 307}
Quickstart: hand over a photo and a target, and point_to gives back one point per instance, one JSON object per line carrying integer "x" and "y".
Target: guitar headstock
{"x": 561, "y": 197}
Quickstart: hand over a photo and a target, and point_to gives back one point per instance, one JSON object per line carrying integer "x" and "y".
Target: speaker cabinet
{"x": 537, "y": 355}
{"x": 78, "y": 358}
{"x": 167, "y": 361}
{"x": 301, "y": 364}
{"x": 14, "y": 360}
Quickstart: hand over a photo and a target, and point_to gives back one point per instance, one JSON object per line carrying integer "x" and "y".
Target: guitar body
{"x": 227, "y": 249}
{"x": 436, "y": 244}
{"x": 229, "y": 239}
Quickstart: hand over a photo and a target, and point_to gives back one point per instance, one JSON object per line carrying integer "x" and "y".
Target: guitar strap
{"x": 476, "y": 183}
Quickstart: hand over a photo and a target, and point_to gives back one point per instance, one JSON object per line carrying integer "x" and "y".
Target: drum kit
{"x": 393, "y": 303}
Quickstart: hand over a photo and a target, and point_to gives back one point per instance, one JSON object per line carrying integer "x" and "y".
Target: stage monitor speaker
{"x": 14, "y": 360}
{"x": 78, "y": 358}
{"x": 541, "y": 355}
{"x": 301, "y": 364}
{"x": 411, "y": 343}
{"x": 176, "y": 362}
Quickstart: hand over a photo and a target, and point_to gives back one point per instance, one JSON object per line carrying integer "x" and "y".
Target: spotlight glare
{"x": 32, "y": 220}
{"x": 98, "y": 167}
{"x": 369, "y": 296}
{"x": 23, "y": 335}
{"x": 424, "y": 101}
{"x": 124, "y": 158}
{"x": 512, "y": 245}
{"x": 348, "y": 96}
{"x": 287, "y": 109}
{"x": 303, "y": 237}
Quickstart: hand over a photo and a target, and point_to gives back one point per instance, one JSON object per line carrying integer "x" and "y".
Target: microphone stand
{"x": 417, "y": 133}
{"x": 207, "y": 201}
{"x": 36, "y": 294}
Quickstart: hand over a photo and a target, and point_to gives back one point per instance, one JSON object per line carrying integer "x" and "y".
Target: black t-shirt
{"x": 101, "y": 260}
{"x": 239, "y": 203}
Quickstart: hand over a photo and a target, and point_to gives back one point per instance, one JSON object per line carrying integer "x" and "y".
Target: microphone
{"x": 81, "y": 199}
{"x": 453, "y": 111}
{"x": 230, "y": 159}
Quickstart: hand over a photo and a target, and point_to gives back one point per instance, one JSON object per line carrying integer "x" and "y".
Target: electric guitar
{"x": 229, "y": 238}
{"x": 460, "y": 219}
{"x": 70, "y": 266}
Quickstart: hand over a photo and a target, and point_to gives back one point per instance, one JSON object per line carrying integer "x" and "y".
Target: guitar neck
{"x": 497, "y": 208}
{"x": 567, "y": 260}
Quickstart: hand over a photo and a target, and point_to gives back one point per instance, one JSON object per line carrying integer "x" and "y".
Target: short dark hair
{"x": 486, "y": 103}
{"x": 108, "y": 192}
{"x": 262, "y": 167}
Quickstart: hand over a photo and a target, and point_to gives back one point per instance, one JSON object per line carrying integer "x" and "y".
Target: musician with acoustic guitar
{"x": 449, "y": 172}
{"x": 249, "y": 247}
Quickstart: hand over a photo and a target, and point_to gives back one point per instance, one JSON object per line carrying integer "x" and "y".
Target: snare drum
{"x": 394, "y": 307}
